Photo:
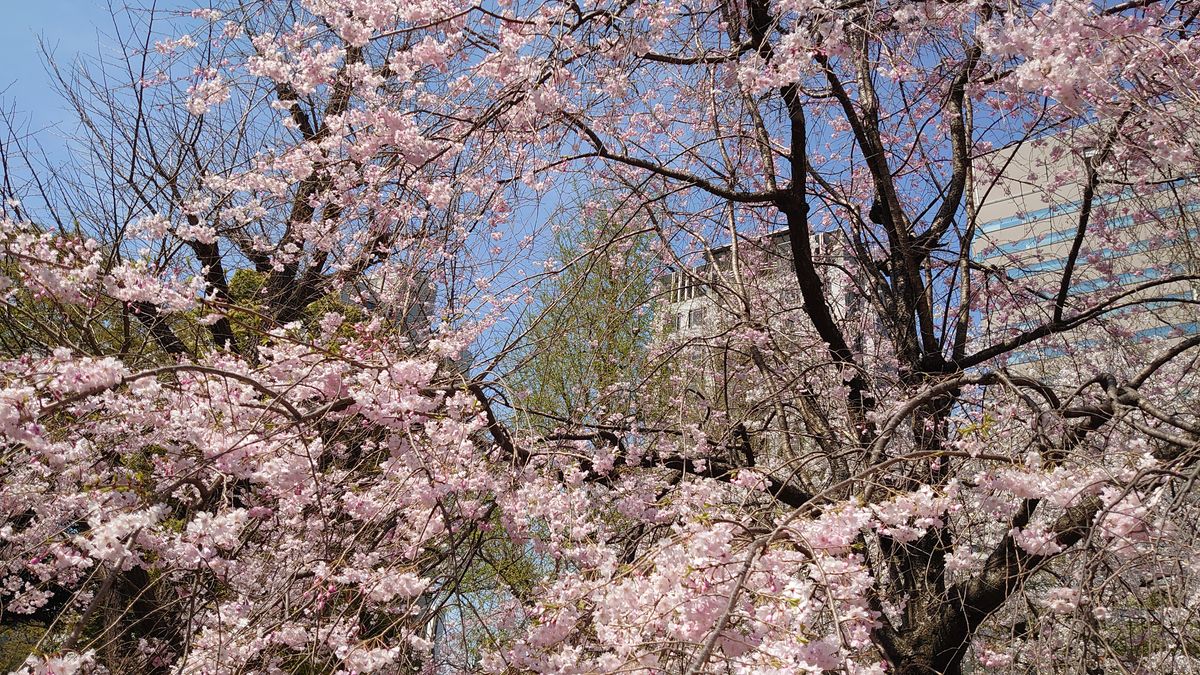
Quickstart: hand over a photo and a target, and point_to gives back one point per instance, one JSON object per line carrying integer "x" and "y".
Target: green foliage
{"x": 248, "y": 312}
{"x": 30, "y": 324}
{"x": 585, "y": 346}
{"x": 249, "y": 315}
{"x": 17, "y": 641}
{"x": 503, "y": 566}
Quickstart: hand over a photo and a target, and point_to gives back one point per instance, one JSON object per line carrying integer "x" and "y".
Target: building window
{"x": 684, "y": 286}
{"x": 695, "y": 317}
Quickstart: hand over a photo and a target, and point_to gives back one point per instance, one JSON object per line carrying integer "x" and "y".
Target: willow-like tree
{"x": 586, "y": 340}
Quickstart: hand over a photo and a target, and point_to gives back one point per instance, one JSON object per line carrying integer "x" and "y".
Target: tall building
{"x": 689, "y": 300}
{"x": 1030, "y": 197}
{"x": 704, "y": 314}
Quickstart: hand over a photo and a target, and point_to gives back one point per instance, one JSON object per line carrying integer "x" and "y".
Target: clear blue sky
{"x": 68, "y": 27}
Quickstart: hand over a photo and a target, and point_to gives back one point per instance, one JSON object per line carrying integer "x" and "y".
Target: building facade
{"x": 733, "y": 331}
{"x": 690, "y": 299}
{"x": 1030, "y": 207}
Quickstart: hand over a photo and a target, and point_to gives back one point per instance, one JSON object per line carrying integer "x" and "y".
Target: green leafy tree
{"x": 586, "y": 336}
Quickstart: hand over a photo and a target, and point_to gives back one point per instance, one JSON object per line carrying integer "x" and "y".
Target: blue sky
{"x": 68, "y": 28}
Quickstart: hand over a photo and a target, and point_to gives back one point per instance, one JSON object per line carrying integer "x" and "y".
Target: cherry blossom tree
{"x": 254, "y": 398}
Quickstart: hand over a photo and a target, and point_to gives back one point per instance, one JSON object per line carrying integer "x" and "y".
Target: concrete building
{"x": 1030, "y": 199}
{"x": 703, "y": 314}
{"x": 689, "y": 300}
